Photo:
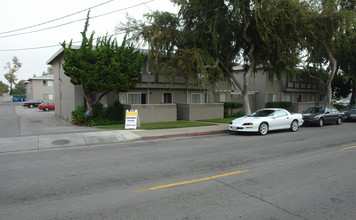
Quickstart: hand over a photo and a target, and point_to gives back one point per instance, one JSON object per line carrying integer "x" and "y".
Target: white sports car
{"x": 267, "y": 119}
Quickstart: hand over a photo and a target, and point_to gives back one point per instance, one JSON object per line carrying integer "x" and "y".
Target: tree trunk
{"x": 353, "y": 92}
{"x": 333, "y": 68}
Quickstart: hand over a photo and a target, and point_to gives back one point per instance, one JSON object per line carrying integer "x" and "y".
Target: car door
{"x": 328, "y": 115}
{"x": 282, "y": 119}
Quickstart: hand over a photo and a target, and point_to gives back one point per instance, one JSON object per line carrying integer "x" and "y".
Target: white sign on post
{"x": 131, "y": 120}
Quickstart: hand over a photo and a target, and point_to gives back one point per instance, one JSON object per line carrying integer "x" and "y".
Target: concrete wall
{"x": 155, "y": 112}
{"x": 192, "y": 112}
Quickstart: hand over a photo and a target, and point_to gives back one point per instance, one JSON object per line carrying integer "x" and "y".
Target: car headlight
{"x": 316, "y": 117}
{"x": 248, "y": 123}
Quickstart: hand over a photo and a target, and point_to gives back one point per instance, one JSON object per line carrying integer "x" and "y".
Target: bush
{"x": 78, "y": 116}
{"x": 115, "y": 112}
{"x": 278, "y": 104}
{"x": 112, "y": 115}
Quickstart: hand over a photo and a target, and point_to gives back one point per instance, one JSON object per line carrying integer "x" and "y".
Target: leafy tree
{"x": 346, "y": 47}
{"x": 49, "y": 71}
{"x": 3, "y": 88}
{"x": 11, "y": 75}
{"x": 101, "y": 68}
{"x": 208, "y": 39}
{"x": 341, "y": 86}
{"x": 20, "y": 87}
{"x": 328, "y": 40}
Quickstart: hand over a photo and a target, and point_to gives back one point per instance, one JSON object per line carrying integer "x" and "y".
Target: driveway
{"x": 16, "y": 120}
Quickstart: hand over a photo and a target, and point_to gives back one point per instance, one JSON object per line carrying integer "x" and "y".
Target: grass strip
{"x": 159, "y": 125}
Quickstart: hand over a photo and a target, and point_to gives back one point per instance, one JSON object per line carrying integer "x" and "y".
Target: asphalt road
{"x": 309, "y": 174}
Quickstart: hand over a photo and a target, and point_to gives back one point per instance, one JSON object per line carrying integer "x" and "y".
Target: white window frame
{"x": 273, "y": 96}
{"x": 201, "y": 98}
{"x": 286, "y": 98}
{"x": 133, "y": 93}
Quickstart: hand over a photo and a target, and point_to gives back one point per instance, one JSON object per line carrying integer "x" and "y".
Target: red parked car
{"x": 46, "y": 106}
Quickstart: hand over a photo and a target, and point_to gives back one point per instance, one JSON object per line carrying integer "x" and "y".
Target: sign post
{"x": 132, "y": 120}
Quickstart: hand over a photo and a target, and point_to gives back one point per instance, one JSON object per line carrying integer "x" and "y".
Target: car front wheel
{"x": 263, "y": 129}
{"x": 46, "y": 109}
{"x": 30, "y": 106}
{"x": 339, "y": 120}
{"x": 294, "y": 126}
{"x": 321, "y": 122}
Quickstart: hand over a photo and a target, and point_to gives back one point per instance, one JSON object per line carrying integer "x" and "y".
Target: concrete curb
{"x": 184, "y": 134}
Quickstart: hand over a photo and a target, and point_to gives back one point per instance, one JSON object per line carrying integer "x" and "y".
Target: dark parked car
{"x": 46, "y": 106}
{"x": 322, "y": 115}
{"x": 32, "y": 103}
{"x": 350, "y": 112}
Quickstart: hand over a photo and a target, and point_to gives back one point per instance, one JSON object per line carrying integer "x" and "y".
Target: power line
{"x": 44, "y": 47}
{"x": 71, "y": 22}
{"x": 47, "y": 22}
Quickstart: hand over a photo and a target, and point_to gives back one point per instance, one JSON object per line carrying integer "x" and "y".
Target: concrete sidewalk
{"x": 49, "y": 141}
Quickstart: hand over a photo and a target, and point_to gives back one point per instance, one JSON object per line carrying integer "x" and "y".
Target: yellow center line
{"x": 190, "y": 181}
{"x": 346, "y": 148}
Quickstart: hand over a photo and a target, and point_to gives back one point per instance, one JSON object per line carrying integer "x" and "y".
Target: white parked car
{"x": 267, "y": 119}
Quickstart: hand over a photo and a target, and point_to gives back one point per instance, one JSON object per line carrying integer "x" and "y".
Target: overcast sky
{"x": 22, "y": 14}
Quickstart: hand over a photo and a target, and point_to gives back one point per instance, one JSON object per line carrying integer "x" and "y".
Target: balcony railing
{"x": 302, "y": 85}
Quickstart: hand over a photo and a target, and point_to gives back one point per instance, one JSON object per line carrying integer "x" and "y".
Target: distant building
{"x": 40, "y": 88}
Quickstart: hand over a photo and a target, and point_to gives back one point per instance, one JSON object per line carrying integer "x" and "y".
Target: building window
{"x": 48, "y": 96}
{"x": 272, "y": 97}
{"x": 167, "y": 97}
{"x": 286, "y": 98}
{"x": 47, "y": 83}
{"x": 196, "y": 98}
{"x": 136, "y": 98}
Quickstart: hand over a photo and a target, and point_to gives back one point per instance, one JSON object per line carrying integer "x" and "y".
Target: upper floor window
{"x": 47, "y": 83}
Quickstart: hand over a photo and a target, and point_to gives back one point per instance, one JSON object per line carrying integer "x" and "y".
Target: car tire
{"x": 294, "y": 126}
{"x": 339, "y": 121}
{"x": 321, "y": 122}
{"x": 30, "y": 106}
{"x": 263, "y": 128}
{"x": 46, "y": 109}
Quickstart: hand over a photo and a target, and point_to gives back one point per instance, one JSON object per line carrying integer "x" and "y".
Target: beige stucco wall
{"x": 36, "y": 90}
{"x": 192, "y": 112}
{"x": 155, "y": 113}
{"x": 67, "y": 96}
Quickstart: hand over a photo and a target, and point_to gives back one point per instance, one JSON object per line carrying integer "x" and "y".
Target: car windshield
{"x": 262, "y": 113}
{"x": 315, "y": 110}
{"x": 44, "y": 103}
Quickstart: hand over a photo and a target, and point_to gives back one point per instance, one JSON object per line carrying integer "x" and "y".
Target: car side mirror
{"x": 327, "y": 113}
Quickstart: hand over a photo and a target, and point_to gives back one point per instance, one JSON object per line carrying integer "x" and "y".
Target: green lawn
{"x": 159, "y": 125}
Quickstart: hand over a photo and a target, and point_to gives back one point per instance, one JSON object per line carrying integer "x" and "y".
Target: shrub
{"x": 231, "y": 106}
{"x": 78, "y": 116}
{"x": 278, "y": 104}
{"x": 115, "y": 112}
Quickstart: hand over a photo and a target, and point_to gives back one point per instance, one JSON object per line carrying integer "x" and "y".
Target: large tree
{"x": 346, "y": 46}
{"x": 208, "y": 39}
{"x": 12, "y": 69}
{"x": 20, "y": 88}
{"x": 101, "y": 68}
{"x": 3, "y": 88}
{"x": 329, "y": 41}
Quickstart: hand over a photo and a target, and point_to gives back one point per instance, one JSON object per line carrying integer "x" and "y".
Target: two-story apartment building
{"x": 301, "y": 91}
{"x": 155, "y": 96}
{"x": 40, "y": 88}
